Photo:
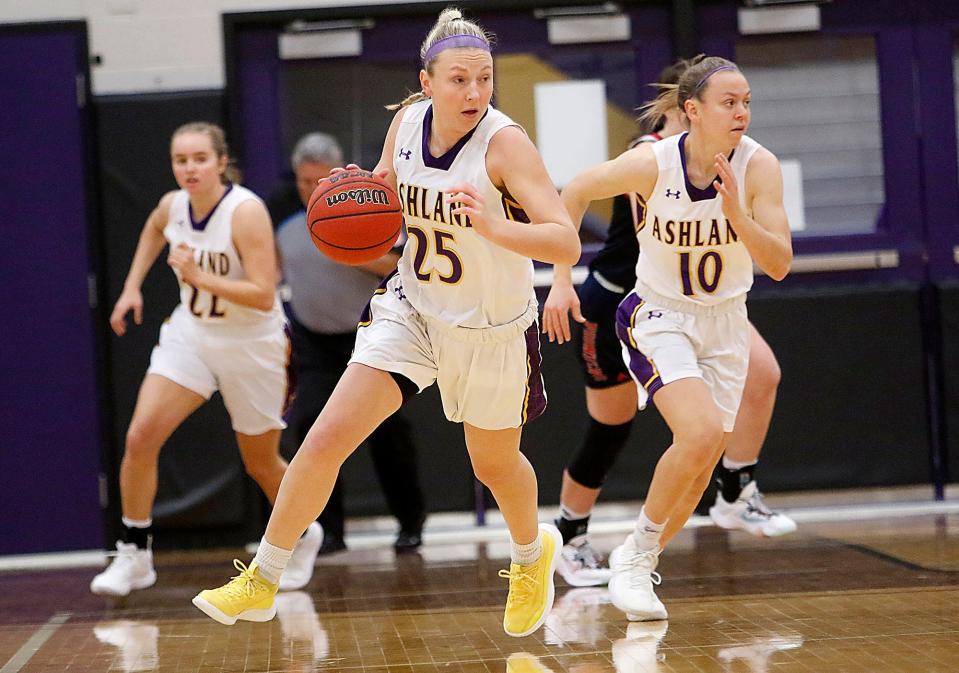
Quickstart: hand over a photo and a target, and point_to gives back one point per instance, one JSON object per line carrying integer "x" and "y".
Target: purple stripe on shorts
{"x": 642, "y": 368}
{"x": 291, "y": 369}
{"x": 535, "y": 403}
{"x": 366, "y": 317}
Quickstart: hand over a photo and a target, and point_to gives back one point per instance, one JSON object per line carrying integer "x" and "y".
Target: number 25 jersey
{"x": 450, "y": 272}
{"x": 688, "y": 250}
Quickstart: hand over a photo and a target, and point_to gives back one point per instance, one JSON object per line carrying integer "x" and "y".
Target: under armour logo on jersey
{"x": 405, "y": 153}
{"x": 654, "y": 314}
{"x": 672, "y": 194}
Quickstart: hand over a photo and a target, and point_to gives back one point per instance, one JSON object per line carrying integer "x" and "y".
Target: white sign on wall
{"x": 570, "y": 126}
{"x": 793, "y": 194}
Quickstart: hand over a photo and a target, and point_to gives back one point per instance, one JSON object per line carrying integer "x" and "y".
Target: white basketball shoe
{"x": 581, "y": 565}
{"x": 131, "y": 569}
{"x": 631, "y": 586}
{"x": 299, "y": 569}
{"x": 750, "y": 513}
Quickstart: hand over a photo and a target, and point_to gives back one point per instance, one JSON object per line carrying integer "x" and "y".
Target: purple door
{"x": 50, "y": 456}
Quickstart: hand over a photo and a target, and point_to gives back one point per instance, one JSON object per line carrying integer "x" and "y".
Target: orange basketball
{"x": 354, "y": 217}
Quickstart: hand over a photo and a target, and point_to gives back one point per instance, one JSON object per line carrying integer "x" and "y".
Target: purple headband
{"x": 452, "y": 42}
{"x": 711, "y": 73}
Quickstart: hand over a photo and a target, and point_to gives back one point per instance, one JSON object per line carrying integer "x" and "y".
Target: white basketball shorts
{"x": 489, "y": 378}
{"x": 250, "y": 366}
{"x": 664, "y": 341}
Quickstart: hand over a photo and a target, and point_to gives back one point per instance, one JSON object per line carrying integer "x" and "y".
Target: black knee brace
{"x": 594, "y": 458}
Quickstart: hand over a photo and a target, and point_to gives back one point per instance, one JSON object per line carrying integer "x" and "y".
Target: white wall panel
{"x": 157, "y": 45}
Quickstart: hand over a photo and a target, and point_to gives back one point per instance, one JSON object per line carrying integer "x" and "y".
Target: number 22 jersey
{"x": 213, "y": 251}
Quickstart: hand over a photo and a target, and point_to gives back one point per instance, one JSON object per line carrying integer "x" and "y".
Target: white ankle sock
{"x": 271, "y": 560}
{"x": 568, "y": 514}
{"x": 647, "y": 533}
{"x": 732, "y": 465}
{"x": 136, "y": 523}
{"x": 524, "y": 554}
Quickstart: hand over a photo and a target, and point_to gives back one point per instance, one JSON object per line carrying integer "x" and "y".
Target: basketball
{"x": 354, "y": 217}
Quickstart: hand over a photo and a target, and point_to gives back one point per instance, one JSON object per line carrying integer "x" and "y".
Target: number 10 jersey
{"x": 688, "y": 250}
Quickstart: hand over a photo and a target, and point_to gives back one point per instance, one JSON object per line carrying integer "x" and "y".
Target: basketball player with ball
{"x": 461, "y": 312}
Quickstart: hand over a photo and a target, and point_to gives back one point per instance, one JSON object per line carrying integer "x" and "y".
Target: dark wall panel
{"x": 852, "y": 404}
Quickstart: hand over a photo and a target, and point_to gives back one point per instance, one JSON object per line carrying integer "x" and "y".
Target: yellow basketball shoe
{"x": 531, "y": 586}
{"x": 247, "y": 596}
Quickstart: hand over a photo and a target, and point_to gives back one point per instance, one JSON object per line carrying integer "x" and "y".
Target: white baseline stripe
{"x": 496, "y": 529}
{"x": 808, "y": 263}
{"x": 69, "y": 559}
{"x": 36, "y": 641}
{"x": 544, "y": 277}
{"x": 460, "y": 527}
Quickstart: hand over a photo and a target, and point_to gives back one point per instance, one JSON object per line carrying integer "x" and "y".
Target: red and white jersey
{"x": 449, "y": 271}
{"x": 213, "y": 250}
{"x": 688, "y": 249}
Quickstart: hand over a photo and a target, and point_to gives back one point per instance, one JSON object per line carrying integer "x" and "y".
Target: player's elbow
{"x": 570, "y": 251}
{"x": 781, "y": 268}
{"x": 264, "y": 300}
{"x": 778, "y": 274}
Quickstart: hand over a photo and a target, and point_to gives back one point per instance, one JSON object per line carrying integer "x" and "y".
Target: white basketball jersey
{"x": 214, "y": 252}
{"x": 450, "y": 272}
{"x": 688, "y": 250}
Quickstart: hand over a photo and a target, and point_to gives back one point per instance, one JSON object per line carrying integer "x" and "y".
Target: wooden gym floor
{"x": 871, "y": 595}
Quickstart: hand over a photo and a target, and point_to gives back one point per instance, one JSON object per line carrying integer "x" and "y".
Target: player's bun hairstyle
{"x": 449, "y": 24}
{"x": 218, "y": 140}
{"x": 691, "y": 83}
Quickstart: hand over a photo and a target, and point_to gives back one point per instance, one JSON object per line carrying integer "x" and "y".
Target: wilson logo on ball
{"x": 359, "y": 196}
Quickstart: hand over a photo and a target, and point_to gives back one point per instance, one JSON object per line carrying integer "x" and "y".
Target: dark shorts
{"x": 597, "y": 346}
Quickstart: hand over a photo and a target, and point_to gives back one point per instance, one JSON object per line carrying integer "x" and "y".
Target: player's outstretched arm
{"x": 633, "y": 171}
{"x": 148, "y": 248}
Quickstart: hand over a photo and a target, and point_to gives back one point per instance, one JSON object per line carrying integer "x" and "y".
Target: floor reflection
{"x": 137, "y": 643}
{"x": 305, "y": 641}
{"x": 639, "y": 651}
{"x": 576, "y": 617}
{"x": 757, "y": 655}
{"x": 524, "y": 662}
